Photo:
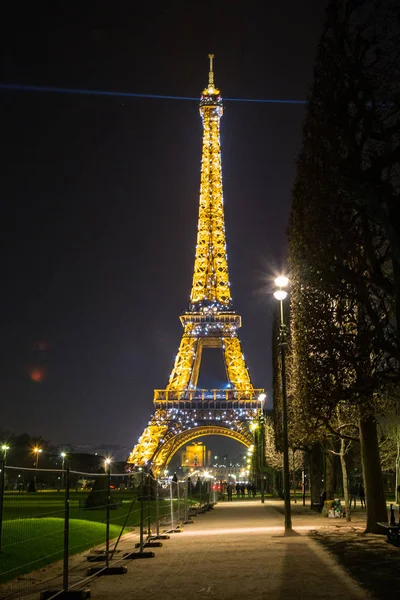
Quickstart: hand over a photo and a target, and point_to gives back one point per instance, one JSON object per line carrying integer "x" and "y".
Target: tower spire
{"x": 211, "y": 72}
{"x": 211, "y": 278}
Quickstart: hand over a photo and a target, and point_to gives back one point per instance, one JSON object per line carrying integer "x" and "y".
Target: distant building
{"x": 230, "y": 474}
{"x": 195, "y": 456}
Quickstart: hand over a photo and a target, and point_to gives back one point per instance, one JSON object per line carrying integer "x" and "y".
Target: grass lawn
{"x": 33, "y": 527}
{"x": 51, "y": 505}
{"x": 30, "y": 544}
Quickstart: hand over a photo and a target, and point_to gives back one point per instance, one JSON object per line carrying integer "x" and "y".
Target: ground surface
{"x": 368, "y": 558}
{"x": 238, "y": 551}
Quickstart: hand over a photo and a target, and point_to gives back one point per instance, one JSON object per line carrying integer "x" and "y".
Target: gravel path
{"x": 235, "y": 551}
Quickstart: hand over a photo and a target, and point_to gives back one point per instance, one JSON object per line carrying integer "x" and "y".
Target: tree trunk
{"x": 373, "y": 482}
{"x": 315, "y": 475}
{"x": 397, "y": 484}
{"x": 345, "y": 479}
{"x": 330, "y": 473}
{"x": 276, "y": 485}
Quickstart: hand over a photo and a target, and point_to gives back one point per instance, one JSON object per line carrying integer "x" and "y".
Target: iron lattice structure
{"x": 183, "y": 412}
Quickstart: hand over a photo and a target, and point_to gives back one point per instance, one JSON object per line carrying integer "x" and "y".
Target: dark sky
{"x": 100, "y": 197}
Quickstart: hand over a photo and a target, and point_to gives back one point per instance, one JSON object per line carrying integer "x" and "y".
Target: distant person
{"x": 242, "y": 490}
{"x": 361, "y": 495}
{"x": 237, "y": 487}
{"x": 353, "y": 494}
{"x": 322, "y": 501}
{"x": 254, "y": 490}
{"x": 174, "y": 485}
{"x": 229, "y": 490}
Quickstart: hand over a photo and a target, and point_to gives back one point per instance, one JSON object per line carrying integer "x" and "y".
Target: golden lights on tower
{"x": 210, "y": 320}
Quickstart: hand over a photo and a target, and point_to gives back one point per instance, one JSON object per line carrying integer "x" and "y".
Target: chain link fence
{"x": 59, "y": 528}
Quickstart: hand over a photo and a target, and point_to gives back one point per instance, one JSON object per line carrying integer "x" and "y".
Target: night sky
{"x": 100, "y": 197}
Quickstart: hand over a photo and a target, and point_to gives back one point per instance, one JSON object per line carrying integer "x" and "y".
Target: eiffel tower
{"x": 182, "y": 412}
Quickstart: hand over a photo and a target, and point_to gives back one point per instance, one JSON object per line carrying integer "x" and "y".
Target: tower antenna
{"x": 211, "y": 72}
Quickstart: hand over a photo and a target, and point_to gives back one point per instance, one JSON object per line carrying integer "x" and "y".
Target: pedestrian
{"x": 229, "y": 490}
{"x": 242, "y": 489}
{"x": 237, "y": 486}
{"x": 361, "y": 495}
{"x": 322, "y": 501}
{"x": 353, "y": 494}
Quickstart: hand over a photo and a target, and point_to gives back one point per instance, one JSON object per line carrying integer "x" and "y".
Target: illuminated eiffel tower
{"x": 182, "y": 411}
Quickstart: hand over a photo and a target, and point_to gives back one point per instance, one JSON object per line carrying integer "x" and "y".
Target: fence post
{"x": 157, "y": 509}
{"x": 149, "y": 495}
{"x": 172, "y": 504}
{"x": 186, "y": 500}
{"x": 66, "y": 478}
{"x": 188, "y": 519}
{"x": 2, "y": 486}
{"x": 178, "y": 506}
{"x": 141, "y": 510}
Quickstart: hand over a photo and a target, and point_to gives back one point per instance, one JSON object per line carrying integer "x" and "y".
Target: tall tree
{"x": 342, "y": 248}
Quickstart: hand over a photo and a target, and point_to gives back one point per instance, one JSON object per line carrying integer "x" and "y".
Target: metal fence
{"x": 54, "y": 522}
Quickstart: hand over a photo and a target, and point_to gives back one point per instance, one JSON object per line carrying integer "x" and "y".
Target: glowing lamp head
{"x": 253, "y": 426}
{"x": 63, "y": 454}
{"x": 108, "y": 461}
{"x": 5, "y": 447}
{"x": 280, "y": 294}
{"x": 281, "y": 281}
{"x": 262, "y": 397}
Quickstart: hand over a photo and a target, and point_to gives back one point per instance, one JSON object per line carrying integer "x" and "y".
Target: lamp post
{"x": 4, "y": 474}
{"x": 37, "y": 451}
{"x": 262, "y": 398}
{"x": 250, "y": 452}
{"x": 63, "y": 455}
{"x": 280, "y": 295}
{"x": 5, "y": 448}
{"x": 107, "y": 465}
{"x": 2, "y": 486}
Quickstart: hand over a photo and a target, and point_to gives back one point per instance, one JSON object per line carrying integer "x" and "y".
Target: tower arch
{"x": 166, "y": 451}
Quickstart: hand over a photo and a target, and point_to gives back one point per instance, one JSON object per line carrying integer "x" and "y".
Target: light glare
{"x": 280, "y": 294}
{"x": 281, "y": 281}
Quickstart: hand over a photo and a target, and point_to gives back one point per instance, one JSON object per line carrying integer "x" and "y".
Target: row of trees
{"x": 344, "y": 248}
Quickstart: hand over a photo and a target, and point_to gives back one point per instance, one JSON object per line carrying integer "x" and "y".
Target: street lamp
{"x": 63, "y": 455}
{"x": 261, "y": 398}
{"x": 2, "y": 485}
{"x": 5, "y": 448}
{"x": 280, "y": 295}
{"x": 37, "y": 451}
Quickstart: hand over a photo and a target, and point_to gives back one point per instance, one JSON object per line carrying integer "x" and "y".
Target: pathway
{"x": 236, "y": 551}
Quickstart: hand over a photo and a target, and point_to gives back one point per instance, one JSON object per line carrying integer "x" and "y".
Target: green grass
{"x": 51, "y": 505}
{"x": 33, "y": 526}
{"x": 30, "y": 544}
